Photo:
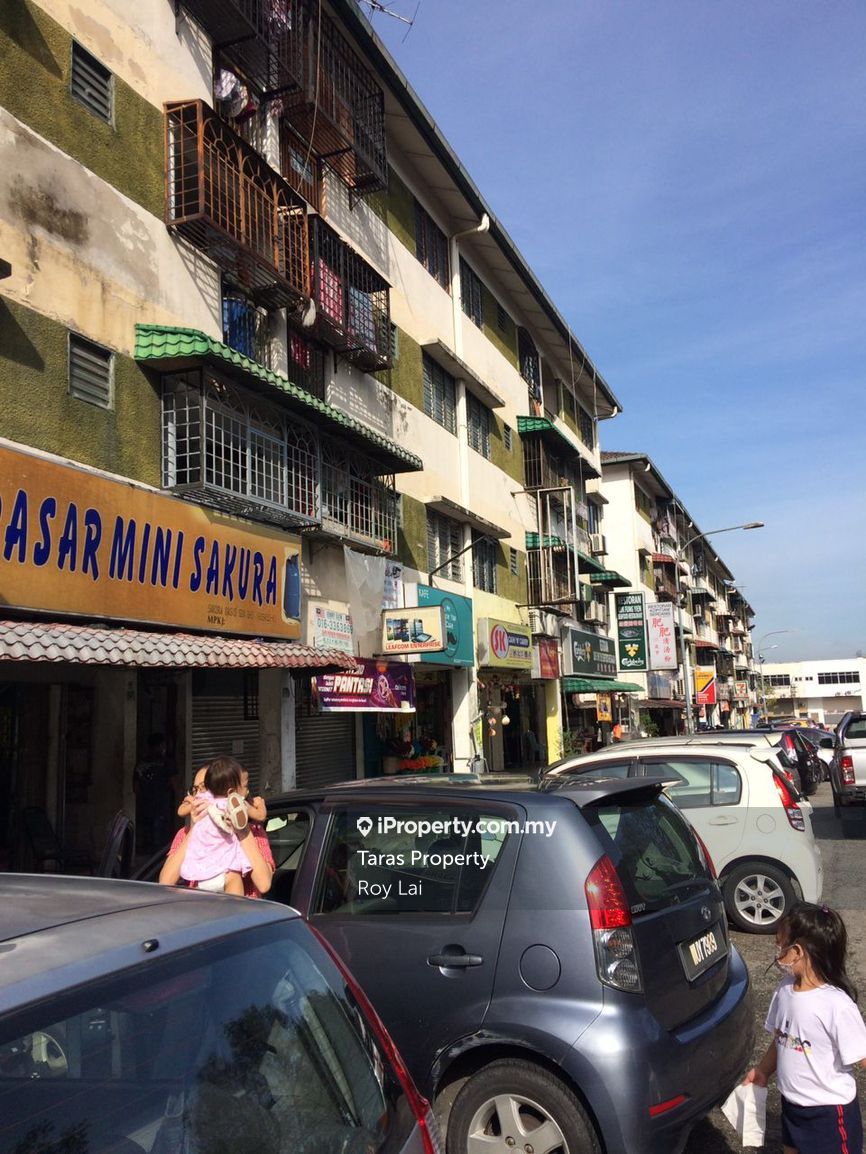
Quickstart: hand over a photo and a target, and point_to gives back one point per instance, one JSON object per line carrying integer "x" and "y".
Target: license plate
{"x": 704, "y": 951}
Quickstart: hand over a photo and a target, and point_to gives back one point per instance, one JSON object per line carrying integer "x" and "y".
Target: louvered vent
{"x": 91, "y": 375}
{"x": 91, "y": 83}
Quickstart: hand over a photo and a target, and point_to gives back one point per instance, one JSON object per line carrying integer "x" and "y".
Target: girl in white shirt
{"x": 818, "y": 1034}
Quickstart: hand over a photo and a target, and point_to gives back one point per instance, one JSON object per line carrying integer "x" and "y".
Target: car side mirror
{"x": 826, "y": 743}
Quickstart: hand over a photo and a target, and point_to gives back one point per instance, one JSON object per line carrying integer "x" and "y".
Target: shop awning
{"x": 100, "y": 645}
{"x": 609, "y": 577}
{"x": 701, "y": 643}
{"x": 663, "y": 559}
{"x": 660, "y": 703}
{"x": 598, "y": 685}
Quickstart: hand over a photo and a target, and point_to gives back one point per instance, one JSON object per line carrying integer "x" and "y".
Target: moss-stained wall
{"x": 406, "y": 375}
{"x": 509, "y": 585}
{"x": 36, "y": 55}
{"x": 36, "y": 408}
{"x": 396, "y": 208}
{"x": 510, "y": 462}
{"x": 505, "y": 339}
{"x": 412, "y": 534}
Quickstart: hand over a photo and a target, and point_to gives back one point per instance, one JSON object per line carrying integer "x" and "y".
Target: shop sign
{"x": 545, "y": 659}
{"x": 587, "y": 654}
{"x": 413, "y": 630}
{"x": 329, "y": 626}
{"x": 76, "y": 542}
{"x": 705, "y": 686}
{"x": 504, "y": 644}
{"x": 378, "y": 687}
{"x": 459, "y": 647}
{"x": 631, "y": 631}
{"x": 741, "y": 690}
{"x": 660, "y": 635}
{"x": 603, "y": 707}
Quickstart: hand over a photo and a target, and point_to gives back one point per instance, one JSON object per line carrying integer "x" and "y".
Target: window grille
{"x": 395, "y": 343}
{"x": 246, "y": 329}
{"x": 329, "y": 279}
{"x": 586, "y": 427}
{"x": 513, "y": 563}
{"x": 530, "y": 368}
{"x": 356, "y": 502}
{"x": 444, "y": 541}
{"x": 440, "y": 395}
{"x": 471, "y": 298}
{"x": 92, "y": 83}
{"x": 306, "y": 366}
{"x": 431, "y": 246}
{"x": 506, "y": 438}
{"x": 503, "y": 320}
{"x": 478, "y": 426}
{"x": 91, "y": 372}
{"x": 484, "y": 554}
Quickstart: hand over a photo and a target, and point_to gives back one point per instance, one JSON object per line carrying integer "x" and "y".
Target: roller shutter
{"x": 324, "y": 743}
{"x": 221, "y": 723}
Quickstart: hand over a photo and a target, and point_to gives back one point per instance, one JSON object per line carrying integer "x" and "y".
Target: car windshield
{"x": 251, "y": 1046}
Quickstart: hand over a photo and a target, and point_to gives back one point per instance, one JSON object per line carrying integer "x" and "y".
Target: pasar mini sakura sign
{"x": 660, "y": 635}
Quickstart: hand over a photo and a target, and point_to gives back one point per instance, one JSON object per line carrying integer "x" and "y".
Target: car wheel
{"x": 511, "y": 1106}
{"x": 756, "y": 896}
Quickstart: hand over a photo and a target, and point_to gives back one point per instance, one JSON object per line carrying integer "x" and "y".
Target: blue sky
{"x": 688, "y": 181}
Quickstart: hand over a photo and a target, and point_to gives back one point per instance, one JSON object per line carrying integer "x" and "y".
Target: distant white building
{"x": 822, "y": 690}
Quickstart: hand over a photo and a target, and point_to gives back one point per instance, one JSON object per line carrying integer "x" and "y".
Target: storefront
{"x": 596, "y": 705}
{"x": 507, "y": 701}
{"x": 140, "y": 630}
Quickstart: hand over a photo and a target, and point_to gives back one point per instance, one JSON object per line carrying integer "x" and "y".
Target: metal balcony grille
{"x": 356, "y": 503}
{"x": 225, "y": 199}
{"x": 550, "y": 580}
{"x": 544, "y": 470}
{"x": 353, "y": 301}
{"x": 300, "y": 166}
{"x": 246, "y": 329}
{"x": 306, "y": 367}
{"x": 329, "y": 281}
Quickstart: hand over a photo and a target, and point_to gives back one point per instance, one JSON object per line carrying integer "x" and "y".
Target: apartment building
{"x": 820, "y": 690}
{"x": 289, "y": 426}
{"x": 657, "y": 547}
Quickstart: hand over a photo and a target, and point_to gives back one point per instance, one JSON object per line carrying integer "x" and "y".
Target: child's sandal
{"x": 236, "y": 811}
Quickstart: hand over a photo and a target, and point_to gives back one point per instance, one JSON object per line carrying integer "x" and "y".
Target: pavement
{"x": 845, "y": 890}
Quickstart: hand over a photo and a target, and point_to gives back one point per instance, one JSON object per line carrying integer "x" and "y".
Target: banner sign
{"x": 413, "y": 630}
{"x": 329, "y": 626}
{"x": 631, "y": 631}
{"x": 705, "y": 686}
{"x": 504, "y": 644}
{"x": 76, "y": 542}
{"x": 380, "y": 687}
{"x": 459, "y": 643}
{"x": 587, "y": 654}
{"x": 603, "y": 707}
{"x": 545, "y": 659}
{"x": 660, "y": 635}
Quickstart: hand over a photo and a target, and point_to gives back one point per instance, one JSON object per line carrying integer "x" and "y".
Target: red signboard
{"x": 705, "y": 687}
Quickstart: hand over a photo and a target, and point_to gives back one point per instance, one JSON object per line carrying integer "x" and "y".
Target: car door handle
{"x": 724, "y": 820}
{"x": 455, "y": 961}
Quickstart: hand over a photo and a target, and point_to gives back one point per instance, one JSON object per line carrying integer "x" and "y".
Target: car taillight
{"x": 610, "y": 917}
{"x": 707, "y": 858}
{"x": 418, "y": 1104}
{"x": 793, "y": 811}
{"x": 846, "y": 765}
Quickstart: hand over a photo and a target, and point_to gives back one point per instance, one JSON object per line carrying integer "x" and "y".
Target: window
{"x": 513, "y": 563}
{"x": 506, "y": 438}
{"x": 530, "y": 368}
{"x": 92, "y": 83}
{"x": 484, "y": 556}
{"x": 417, "y": 877}
{"x": 701, "y": 782}
{"x": 431, "y": 246}
{"x": 395, "y": 343}
{"x": 478, "y": 426}
{"x": 838, "y": 678}
{"x": 444, "y": 541}
{"x": 440, "y": 395}
{"x": 503, "y": 320}
{"x": 91, "y": 372}
{"x": 471, "y": 299}
{"x": 586, "y": 427}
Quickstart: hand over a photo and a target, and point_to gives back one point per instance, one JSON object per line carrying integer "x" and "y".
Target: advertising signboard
{"x": 413, "y": 630}
{"x": 660, "y": 635}
{"x": 504, "y": 644}
{"x": 603, "y": 707}
{"x": 705, "y": 686}
{"x": 378, "y": 687}
{"x": 545, "y": 659}
{"x": 631, "y": 631}
{"x": 459, "y": 644}
{"x": 76, "y": 542}
{"x": 586, "y": 654}
{"x": 329, "y": 626}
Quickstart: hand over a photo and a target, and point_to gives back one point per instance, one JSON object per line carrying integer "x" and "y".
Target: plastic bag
{"x": 746, "y": 1110}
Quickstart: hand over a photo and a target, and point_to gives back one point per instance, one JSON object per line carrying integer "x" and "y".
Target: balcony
{"x": 352, "y": 301}
{"x": 544, "y": 470}
{"x": 551, "y": 580}
{"x": 225, "y": 200}
{"x": 356, "y": 504}
{"x": 665, "y": 586}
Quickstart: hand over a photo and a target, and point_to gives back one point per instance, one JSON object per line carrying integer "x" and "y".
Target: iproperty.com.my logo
{"x": 452, "y": 826}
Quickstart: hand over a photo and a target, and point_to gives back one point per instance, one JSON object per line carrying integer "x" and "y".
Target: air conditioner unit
{"x": 595, "y": 612}
{"x": 536, "y": 621}
{"x": 597, "y": 544}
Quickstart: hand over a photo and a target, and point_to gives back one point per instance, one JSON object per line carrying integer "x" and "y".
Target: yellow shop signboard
{"x": 75, "y": 542}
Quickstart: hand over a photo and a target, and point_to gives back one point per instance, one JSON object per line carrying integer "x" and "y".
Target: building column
{"x": 288, "y": 761}
{"x": 553, "y": 716}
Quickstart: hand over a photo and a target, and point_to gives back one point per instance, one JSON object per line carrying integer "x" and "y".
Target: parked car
{"x": 757, "y": 831}
{"x": 567, "y": 986}
{"x": 138, "y": 1018}
{"x": 801, "y": 752}
{"x": 823, "y": 744}
{"x": 848, "y": 771}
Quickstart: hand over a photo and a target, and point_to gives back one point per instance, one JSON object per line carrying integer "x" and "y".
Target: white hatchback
{"x": 758, "y": 833}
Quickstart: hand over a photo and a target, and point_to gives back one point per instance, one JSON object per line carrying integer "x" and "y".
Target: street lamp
{"x": 681, "y": 551}
{"x": 772, "y": 633}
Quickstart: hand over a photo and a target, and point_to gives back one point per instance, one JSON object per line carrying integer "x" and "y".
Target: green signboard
{"x": 459, "y": 647}
{"x": 631, "y": 631}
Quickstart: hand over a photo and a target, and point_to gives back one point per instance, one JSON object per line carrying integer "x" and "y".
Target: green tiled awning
{"x": 533, "y": 541}
{"x": 171, "y": 349}
{"x": 557, "y": 439}
{"x": 598, "y": 685}
{"x": 609, "y": 577}
{"x": 590, "y": 565}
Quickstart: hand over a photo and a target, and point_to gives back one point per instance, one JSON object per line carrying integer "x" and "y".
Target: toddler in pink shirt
{"x": 214, "y": 859}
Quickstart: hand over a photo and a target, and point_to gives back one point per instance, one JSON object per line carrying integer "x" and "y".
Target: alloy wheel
{"x": 759, "y": 899}
{"x": 513, "y": 1124}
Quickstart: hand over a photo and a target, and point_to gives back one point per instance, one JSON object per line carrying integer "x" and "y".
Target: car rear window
{"x": 653, "y": 849}
{"x": 229, "y": 1046}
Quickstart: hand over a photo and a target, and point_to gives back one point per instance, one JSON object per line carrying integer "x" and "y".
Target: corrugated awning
{"x": 100, "y": 645}
{"x": 609, "y": 577}
{"x": 598, "y": 685}
{"x": 660, "y": 703}
{"x": 664, "y": 559}
{"x": 700, "y": 643}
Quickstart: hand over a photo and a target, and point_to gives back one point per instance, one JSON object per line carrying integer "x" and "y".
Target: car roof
{"x": 656, "y": 748}
{"x": 60, "y": 931}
